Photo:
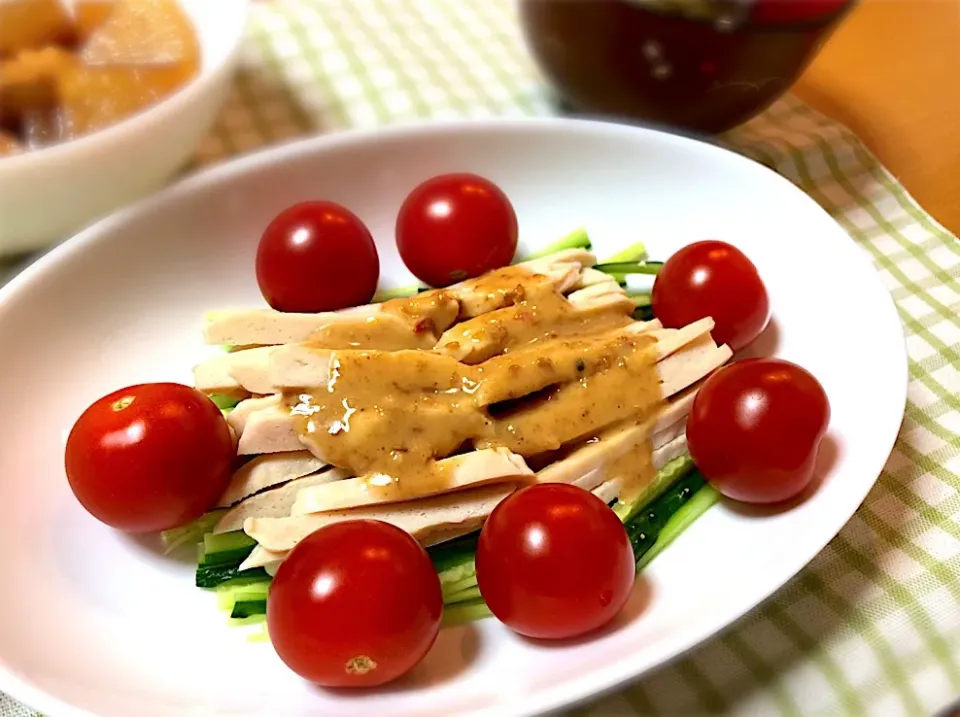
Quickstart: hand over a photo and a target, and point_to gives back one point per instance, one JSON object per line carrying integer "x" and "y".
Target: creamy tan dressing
{"x": 558, "y": 375}
{"x": 539, "y": 316}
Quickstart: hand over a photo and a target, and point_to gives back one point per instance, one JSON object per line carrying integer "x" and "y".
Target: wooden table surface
{"x": 891, "y": 73}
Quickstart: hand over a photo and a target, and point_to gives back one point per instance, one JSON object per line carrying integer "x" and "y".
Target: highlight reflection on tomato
{"x": 454, "y": 227}
{"x": 553, "y": 561}
{"x": 755, "y": 429}
{"x": 355, "y": 604}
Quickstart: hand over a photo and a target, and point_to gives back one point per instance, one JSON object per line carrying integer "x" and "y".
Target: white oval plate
{"x": 95, "y": 622}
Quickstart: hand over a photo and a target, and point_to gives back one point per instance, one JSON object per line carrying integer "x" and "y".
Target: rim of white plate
{"x": 726, "y": 606}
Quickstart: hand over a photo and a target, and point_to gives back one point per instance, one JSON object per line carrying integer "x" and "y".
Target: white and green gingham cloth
{"x": 872, "y": 625}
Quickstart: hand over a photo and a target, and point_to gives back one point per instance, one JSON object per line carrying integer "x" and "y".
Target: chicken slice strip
{"x": 574, "y": 359}
{"x": 273, "y": 429}
{"x": 446, "y": 476}
{"x": 248, "y": 370}
{"x": 611, "y": 488}
{"x": 260, "y": 327}
{"x": 238, "y": 417}
{"x": 586, "y": 464}
{"x": 235, "y": 371}
{"x": 266, "y": 471}
{"x": 274, "y": 503}
{"x": 530, "y": 430}
{"x": 590, "y": 277}
{"x": 266, "y": 327}
{"x": 269, "y": 430}
{"x": 427, "y": 519}
{"x": 548, "y": 316}
{"x": 430, "y": 520}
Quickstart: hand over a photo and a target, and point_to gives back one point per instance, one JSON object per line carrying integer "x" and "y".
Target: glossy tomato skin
{"x": 317, "y": 256}
{"x": 454, "y": 227}
{"x": 149, "y": 457}
{"x": 355, "y": 604}
{"x": 553, "y": 562}
{"x": 755, "y": 429}
{"x": 712, "y": 278}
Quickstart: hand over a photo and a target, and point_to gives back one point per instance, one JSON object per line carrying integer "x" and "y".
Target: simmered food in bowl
{"x": 67, "y": 72}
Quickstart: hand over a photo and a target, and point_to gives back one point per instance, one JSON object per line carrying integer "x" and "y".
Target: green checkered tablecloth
{"x": 872, "y": 625}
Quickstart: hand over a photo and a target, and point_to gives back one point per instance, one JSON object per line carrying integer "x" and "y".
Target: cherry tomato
{"x": 553, "y": 561}
{"x": 455, "y": 227}
{"x": 712, "y": 278}
{"x": 355, "y": 604}
{"x": 781, "y": 11}
{"x": 149, "y": 457}
{"x": 755, "y": 428}
{"x": 317, "y": 256}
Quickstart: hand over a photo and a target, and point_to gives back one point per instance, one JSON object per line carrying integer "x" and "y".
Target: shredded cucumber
{"x": 400, "y": 292}
{"x": 210, "y": 576}
{"x": 696, "y": 506}
{"x": 227, "y": 598}
{"x": 671, "y": 472}
{"x": 191, "y": 532}
{"x": 577, "y": 239}
{"x": 633, "y": 253}
{"x": 640, "y": 300}
{"x": 465, "y": 595}
{"x": 224, "y": 402}
{"x": 246, "y": 608}
{"x": 249, "y": 620}
{"x": 649, "y": 523}
{"x": 464, "y": 612}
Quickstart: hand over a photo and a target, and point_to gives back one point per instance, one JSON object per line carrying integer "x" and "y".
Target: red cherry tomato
{"x": 317, "y": 256}
{"x": 455, "y": 227}
{"x": 712, "y": 278}
{"x": 755, "y": 428}
{"x": 553, "y": 561}
{"x": 149, "y": 457}
{"x": 781, "y": 11}
{"x": 355, "y": 604}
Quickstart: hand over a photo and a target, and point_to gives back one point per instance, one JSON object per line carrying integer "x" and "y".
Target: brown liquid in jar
{"x": 694, "y": 65}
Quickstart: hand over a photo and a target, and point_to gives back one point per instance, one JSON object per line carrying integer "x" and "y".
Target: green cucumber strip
{"x": 459, "y": 586}
{"x": 633, "y": 253}
{"x": 224, "y": 401}
{"x": 249, "y": 620}
{"x": 577, "y": 239}
{"x": 643, "y": 313}
{"x": 464, "y": 612}
{"x": 640, "y": 300}
{"x": 235, "y": 583}
{"x": 400, "y": 292}
{"x": 226, "y": 548}
{"x": 191, "y": 532}
{"x": 630, "y": 267}
{"x": 696, "y": 506}
{"x": 210, "y": 576}
{"x": 453, "y": 560}
{"x": 471, "y": 593}
{"x": 671, "y": 472}
{"x": 226, "y": 599}
{"x": 246, "y": 608}
{"x": 644, "y": 528}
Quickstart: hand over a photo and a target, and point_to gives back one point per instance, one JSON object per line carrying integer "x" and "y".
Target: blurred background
{"x": 170, "y": 81}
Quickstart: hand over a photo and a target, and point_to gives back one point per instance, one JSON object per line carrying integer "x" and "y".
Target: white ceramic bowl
{"x": 93, "y": 622}
{"x": 49, "y": 194}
